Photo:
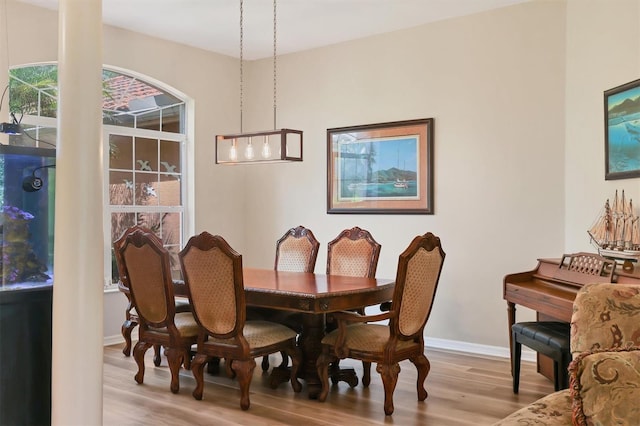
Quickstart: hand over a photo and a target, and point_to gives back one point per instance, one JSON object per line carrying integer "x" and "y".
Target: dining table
{"x": 313, "y": 295}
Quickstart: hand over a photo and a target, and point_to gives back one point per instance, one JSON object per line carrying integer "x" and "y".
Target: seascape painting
{"x": 380, "y": 168}
{"x": 622, "y": 136}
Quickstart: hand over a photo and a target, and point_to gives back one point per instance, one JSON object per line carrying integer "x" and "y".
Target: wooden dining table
{"x": 313, "y": 295}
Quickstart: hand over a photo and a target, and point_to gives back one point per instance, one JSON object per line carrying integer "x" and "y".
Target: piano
{"x": 551, "y": 287}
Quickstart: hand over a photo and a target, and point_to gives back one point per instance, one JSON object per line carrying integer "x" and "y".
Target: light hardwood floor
{"x": 463, "y": 390}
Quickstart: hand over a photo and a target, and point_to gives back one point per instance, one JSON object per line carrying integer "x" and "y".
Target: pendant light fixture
{"x": 270, "y": 146}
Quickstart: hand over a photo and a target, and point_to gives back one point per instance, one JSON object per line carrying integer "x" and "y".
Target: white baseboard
{"x": 477, "y": 349}
{"x": 430, "y": 342}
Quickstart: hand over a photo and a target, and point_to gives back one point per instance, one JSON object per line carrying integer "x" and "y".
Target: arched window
{"x": 145, "y": 144}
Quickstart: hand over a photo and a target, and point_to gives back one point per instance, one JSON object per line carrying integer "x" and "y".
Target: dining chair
{"x": 354, "y": 252}
{"x": 212, "y": 273}
{"x": 419, "y": 268}
{"x": 146, "y": 272}
{"x": 296, "y": 251}
{"x": 131, "y": 316}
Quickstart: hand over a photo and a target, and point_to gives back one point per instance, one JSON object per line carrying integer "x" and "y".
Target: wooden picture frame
{"x": 622, "y": 131}
{"x": 384, "y": 168}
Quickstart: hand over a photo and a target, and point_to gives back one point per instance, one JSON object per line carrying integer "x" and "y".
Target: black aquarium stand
{"x": 25, "y": 355}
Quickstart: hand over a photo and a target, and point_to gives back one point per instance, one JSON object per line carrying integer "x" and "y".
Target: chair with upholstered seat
{"x": 354, "y": 253}
{"x": 296, "y": 251}
{"x": 131, "y": 316}
{"x": 146, "y": 272}
{"x": 419, "y": 268}
{"x": 212, "y": 273}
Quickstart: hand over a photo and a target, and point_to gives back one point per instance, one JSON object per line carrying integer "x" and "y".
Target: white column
{"x": 4, "y": 67}
{"x": 78, "y": 253}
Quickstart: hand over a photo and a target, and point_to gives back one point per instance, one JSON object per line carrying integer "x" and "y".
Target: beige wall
{"x": 603, "y": 51}
{"x": 494, "y": 83}
{"x": 510, "y": 90}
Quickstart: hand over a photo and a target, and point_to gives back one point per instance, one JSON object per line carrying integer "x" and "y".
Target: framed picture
{"x": 384, "y": 168}
{"x": 622, "y": 131}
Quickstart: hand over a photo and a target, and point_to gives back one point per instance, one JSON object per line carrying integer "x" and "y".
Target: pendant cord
{"x": 241, "y": 58}
{"x": 275, "y": 80}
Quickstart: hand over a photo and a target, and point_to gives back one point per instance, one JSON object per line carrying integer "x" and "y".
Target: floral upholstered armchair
{"x": 605, "y": 371}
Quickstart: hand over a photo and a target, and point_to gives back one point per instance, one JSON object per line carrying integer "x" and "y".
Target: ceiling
{"x": 214, "y": 25}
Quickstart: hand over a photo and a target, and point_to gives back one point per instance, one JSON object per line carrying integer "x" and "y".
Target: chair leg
{"x": 175, "y": 358}
{"x": 296, "y": 355}
{"x": 389, "y": 374}
{"x": 322, "y": 365}
{"x": 265, "y": 363}
{"x": 515, "y": 367}
{"x": 423, "y": 366}
{"x": 186, "y": 361}
{"x": 127, "y": 328}
{"x": 138, "y": 354}
{"x": 213, "y": 366}
{"x": 197, "y": 369}
{"x": 366, "y": 373}
{"x": 157, "y": 358}
{"x": 244, "y": 370}
{"x": 556, "y": 376}
{"x": 285, "y": 360}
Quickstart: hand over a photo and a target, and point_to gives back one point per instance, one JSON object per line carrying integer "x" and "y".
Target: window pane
{"x": 119, "y": 223}
{"x": 151, "y": 221}
{"x": 120, "y": 152}
{"x": 42, "y": 137}
{"x": 121, "y": 188}
{"x": 146, "y": 154}
{"x": 171, "y": 228}
{"x": 146, "y": 189}
{"x": 176, "y": 271}
{"x": 169, "y": 190}
{"x": 118, "y": 118}
{"x": 170, "y": 156}
{"x": 149, "y": 120}
{"x": 172, "y": 119}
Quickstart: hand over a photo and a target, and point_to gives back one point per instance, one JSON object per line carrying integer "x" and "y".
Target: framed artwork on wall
{"x": 384, "y": 168}
{"x": 622, "y": 131}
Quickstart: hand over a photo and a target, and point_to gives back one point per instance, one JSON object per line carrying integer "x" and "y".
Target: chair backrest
{"x": 353, "y": 253}
{"x": 120, "y": 242}
{"x": 297, "y": 251}
{"x": 147, "y": 274}
{"x": 213, "y": 277}
{"x": 419, "y": 268}
{"x": 605, "y": 316}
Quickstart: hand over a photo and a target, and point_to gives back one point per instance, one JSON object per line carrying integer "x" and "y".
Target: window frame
{"x": 186, "y": 207}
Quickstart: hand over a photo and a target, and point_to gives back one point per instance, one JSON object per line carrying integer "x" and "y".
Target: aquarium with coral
{"x": 27, "y": 205}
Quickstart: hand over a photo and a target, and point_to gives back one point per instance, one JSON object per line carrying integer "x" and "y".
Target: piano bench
{"x": 549, "y": 338}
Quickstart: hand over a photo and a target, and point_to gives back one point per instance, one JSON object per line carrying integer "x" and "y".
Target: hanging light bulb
{"x": 266, "y": 149}
{"x": 286, "y": 136}
{"x": 248, "y": 152}
{"x": 233, "y": 151}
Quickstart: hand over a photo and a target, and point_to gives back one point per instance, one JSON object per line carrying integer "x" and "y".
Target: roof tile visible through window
{"x": 122, "y": 90}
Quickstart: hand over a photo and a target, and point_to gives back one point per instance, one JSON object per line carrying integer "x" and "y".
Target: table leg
{"x": 310, "y": 347}
{"x": 511, "y": 319}
{"x": 313, "y": 329}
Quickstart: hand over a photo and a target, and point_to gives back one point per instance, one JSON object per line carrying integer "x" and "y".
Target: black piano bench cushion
{"x": 549, "y": 338}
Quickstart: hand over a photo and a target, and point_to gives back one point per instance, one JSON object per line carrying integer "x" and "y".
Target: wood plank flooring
{"x": 463, "y": 390}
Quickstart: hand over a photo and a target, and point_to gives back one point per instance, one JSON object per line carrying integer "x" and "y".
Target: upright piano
{"x": 551, "y": 287}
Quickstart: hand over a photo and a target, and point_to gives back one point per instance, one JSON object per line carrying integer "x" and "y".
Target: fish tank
{"x": 27, "y": 206}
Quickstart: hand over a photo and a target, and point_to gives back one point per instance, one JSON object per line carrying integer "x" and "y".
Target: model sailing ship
{"x": 616, "y": 231}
